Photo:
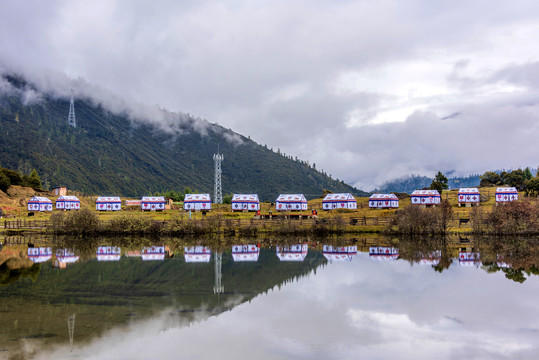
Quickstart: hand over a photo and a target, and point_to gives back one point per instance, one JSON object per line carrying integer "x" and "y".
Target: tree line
{"x": 11, "y": 177}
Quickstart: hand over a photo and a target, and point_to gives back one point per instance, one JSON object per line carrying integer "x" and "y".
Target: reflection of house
{"x": 425, "y": 197}
{"x": 468, "y": 258}
{"x": 152, "y": 203}
{"x": 197, "y": 254}
{"x": 245, "y": 202}
{"x": 245, "y": 252}
{"x": 108, "y": 253}
{"x": 296, "y": 252}
{"x": 66, "y": 202}
{"x": 154, "y": 252}
{"x": 432, "y": 258}
{"x": 108, "y": 203}
{"x": 39, "y": 254}
{"x": 383, "y": 201}
{"x": 197, "y": 202}
{"x": 500, "y": 261}
{"x": 339, "y": 201}
{"x": 39, "y": 203}
{"x": 339, "y": 253}
{"x": 506, "y": 194}
{"x": 64, "y": 257}
{"x": 291, "y": 202}
{"x": 383, "y": 253}
{"x": 469, "y": 196}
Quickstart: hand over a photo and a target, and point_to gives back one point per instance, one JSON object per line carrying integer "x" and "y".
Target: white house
{"x": 383, "y": 201}
{"x": 506, "y": 194}
{"x": 108, "y": 203}
{"x": 66, "y": 256}
{"x": 296, "y": 252}
{"x": 384, "y": 253}
{"x": 245, "y": 252}
{"x": 431, "y": 258}
{"x": 425, "y": 197}
{"x": 197, "y": 202}
{"x": 469, "y": 259}
{"x": 469, "y": 196}
{"x": 66, "y": 202}
{"x": 39, "y": 254}
{"x": 198, "y": 254}
{"x": 152, "y": 203}
{"x": 339, "y": 201}
{"x": 339, "y": 253}
{"x": 39, "y": 203}
{"x": 248, "y": 202}
{"x": 154, "y": 252}
{"x": 291, "y": 202}
{"x": 108, "y": 253}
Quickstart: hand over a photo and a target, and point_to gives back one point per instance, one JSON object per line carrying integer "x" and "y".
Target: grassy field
{"x": 15, "y": 207}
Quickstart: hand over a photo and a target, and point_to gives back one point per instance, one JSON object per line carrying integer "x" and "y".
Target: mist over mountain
{"x": 413, "y": 182}
{"x": 113, "y": 152}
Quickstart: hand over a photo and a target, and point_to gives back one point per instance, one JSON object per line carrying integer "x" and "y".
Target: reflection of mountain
{"x": 109, "y": 294}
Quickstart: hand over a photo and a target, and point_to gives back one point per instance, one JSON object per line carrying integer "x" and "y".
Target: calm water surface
{"x": 283, "y": 304}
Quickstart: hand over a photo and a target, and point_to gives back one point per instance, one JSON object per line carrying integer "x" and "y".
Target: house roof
{"x": 197, "y": 197}
{"x": 507, "y": 190}
{"x": 245, "y": 198}
{"x": 108, "y": 199}
{"x": 339, "y": 197}
{"x": 291, "y": 198}
{"x": 383, "y": 197}
{"x": 425, "y": 193}
{"x": 68, "y": 198}
{"x": 40, "y": 199}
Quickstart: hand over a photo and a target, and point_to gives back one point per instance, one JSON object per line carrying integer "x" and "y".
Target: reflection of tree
{"x": 416, "y": 248}
{"x": 515, "y": 274}
{"x": 517, "y": 257}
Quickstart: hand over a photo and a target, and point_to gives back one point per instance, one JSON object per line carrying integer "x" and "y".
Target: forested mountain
{"x": 109, "y": 153}
{"x": 410, "y": 183}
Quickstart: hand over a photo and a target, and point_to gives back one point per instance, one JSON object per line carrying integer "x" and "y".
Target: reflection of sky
{"x": 349, "y": 310}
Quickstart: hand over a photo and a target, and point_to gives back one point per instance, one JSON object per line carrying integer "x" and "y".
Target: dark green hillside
{"x": 107, "y": 154}
{"x": 106, "y": 295}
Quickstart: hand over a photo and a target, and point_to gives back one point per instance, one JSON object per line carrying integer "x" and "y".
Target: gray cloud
{"x": 344, "y": 84}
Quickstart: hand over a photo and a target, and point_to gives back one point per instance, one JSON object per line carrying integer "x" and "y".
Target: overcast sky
{"x": 367, "y": 90}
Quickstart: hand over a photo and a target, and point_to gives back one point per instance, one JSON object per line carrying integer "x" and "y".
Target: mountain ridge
{"x": 111, "y": 154}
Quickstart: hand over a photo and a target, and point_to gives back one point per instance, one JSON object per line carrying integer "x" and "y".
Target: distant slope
{"x": 108, "y": 154}
{"x": 410, "y": 183}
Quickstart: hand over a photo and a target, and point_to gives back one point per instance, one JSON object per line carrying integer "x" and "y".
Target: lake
{"x": 278, "y": 299}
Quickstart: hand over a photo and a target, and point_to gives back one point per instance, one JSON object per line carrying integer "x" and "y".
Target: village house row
{"x": 250, "y": 202}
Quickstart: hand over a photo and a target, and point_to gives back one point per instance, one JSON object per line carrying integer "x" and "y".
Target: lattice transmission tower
{"x": 218, "y": 190}
{"x": 218, "y": 288}
{"x": 71, "y": 328}
{"x": 71, "y": 121}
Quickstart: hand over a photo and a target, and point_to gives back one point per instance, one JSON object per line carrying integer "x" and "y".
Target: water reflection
{"x": 39, "y": 254}
{"x": 339, "y": 253}
{"x": 108, "y": 253}
{"x": 245, "y": 252}
{"x": 197, "y": 254}
{"x": 383, "y": 253}
{"x": 154, "y": 252}
{"x": 64, "y": 257}
{"x": 321, "y": 306}
{"x": 469, "y": 259}
{"x": 296, "y": 252}
{"x": 432, "y": 258}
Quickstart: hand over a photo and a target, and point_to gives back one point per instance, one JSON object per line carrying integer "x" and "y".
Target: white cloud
{"x": 328, "y": 81}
